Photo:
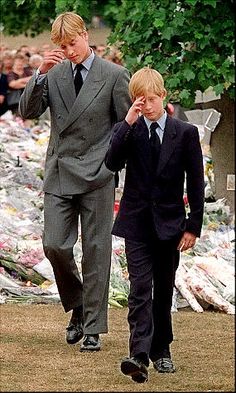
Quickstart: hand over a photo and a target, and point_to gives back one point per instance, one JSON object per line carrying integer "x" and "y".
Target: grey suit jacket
{"x": 80, "y": 126}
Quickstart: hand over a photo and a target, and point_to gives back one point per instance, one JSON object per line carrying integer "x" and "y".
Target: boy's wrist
{"x": 129, "y": 120}
{"x": 129, "y": 124}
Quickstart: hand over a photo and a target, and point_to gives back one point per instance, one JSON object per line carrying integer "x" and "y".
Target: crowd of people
{"x": 18, "y": 65}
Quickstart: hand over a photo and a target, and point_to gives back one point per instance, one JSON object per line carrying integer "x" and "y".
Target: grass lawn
{"x": 36, "y": 358}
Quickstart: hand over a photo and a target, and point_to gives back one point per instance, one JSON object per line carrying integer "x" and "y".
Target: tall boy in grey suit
{"x": 77, "y": 184}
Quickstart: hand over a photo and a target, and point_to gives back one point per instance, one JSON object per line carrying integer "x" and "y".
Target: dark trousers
{"x": 151, "y": 265}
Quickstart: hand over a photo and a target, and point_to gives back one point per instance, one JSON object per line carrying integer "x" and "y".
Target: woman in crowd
{"x": 17, "y": 80}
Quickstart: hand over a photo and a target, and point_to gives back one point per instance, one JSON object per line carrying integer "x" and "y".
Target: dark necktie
{"x": 155, "y": 144}
{"x": 78, "y": 78}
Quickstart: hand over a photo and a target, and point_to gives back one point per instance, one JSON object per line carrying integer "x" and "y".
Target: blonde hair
{"x": 66, "y": 26}
{"x": 146, "y": 80}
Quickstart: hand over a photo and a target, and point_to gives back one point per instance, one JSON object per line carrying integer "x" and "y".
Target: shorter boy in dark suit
{"x": 161, "y": 155}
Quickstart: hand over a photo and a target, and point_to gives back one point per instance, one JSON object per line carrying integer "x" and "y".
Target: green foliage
{"x": 29, "y": 17}
{"x": 110, "y": 11}
{"x": 190, "y": 42}
{"x": 35, "y": 16}
{"x": 81, "y": 7}
{"x": 106, "y": 9}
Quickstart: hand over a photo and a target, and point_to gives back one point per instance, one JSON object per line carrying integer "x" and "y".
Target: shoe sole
{"x": 133, "y": 371}
{"x": 162, "y": 370}
{"x": 90, "y": 349}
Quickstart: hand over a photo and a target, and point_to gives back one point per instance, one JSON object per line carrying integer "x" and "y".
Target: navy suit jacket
{"x": 158, "y": 193}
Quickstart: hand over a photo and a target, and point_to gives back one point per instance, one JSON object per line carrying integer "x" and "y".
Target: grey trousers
{"x": 61, "y": 219}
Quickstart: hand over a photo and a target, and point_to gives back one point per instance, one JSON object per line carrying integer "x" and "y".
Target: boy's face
{"x": 76, "y": 49}
{"x": 153, "y": 107}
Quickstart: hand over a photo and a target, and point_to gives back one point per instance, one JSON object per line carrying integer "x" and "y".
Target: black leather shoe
{"x": 91, "y": 342}
{"x": 164, "y": 363}
{"x": 135, "y": 368}
{"x": 74, "y": 331}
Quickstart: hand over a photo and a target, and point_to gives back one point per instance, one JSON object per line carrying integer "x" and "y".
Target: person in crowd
{"x": 114, "y": 55}
{"x": 8, "y": 61}
{"x": 33, "y": 50}
{"x": 93, "y": 47}
{"x": 3, "y": 48}
{"x": 44, "y": 49}
{"x": 86, "y": 96}
{"x": 17, "y": 80}
{"x": 159, "y": 152}
{"x": 35, "y": 60}
{"x": 101, "y": 50}
{"x": 3, "y": 90}
{"x": 24, "y": 50}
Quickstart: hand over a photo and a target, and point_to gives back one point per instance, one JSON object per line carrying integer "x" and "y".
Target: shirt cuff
{"x": 39, "y": 78}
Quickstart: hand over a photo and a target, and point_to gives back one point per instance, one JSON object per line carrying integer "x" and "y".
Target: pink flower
{"x": 116, "y": 207}
{"x": 185, "y": 200}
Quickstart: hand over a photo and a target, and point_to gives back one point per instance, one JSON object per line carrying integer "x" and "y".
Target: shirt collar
{"x": 87, "y": 62}
{"x": 161, "y": 121}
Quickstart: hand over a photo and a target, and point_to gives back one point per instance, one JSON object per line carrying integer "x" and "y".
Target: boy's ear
{"x": 84, "y": 34}
{"x": 164, "y": 94}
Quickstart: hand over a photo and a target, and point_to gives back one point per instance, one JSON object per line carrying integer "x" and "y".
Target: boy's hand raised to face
{"x": 51, "y": 58}
{"x": 135, "y": 110}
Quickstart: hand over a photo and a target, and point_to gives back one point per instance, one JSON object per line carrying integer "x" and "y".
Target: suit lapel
{"x": 167, "y": 148}
{"x": 65, "y": 84}
{"x": 91, "y": 87}
{"x": 168, "y": 144}
{"x": 142, "y": 138}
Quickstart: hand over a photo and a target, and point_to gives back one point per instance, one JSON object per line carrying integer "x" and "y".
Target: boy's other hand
{"x": 187, "y": 241}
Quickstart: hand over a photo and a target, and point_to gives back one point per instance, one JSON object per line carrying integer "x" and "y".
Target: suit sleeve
{"x": 117, "y": 153}
{"x": 194, "y": 182}
{"x": 33, "y": 101}
{"x": 120, "y": 95}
